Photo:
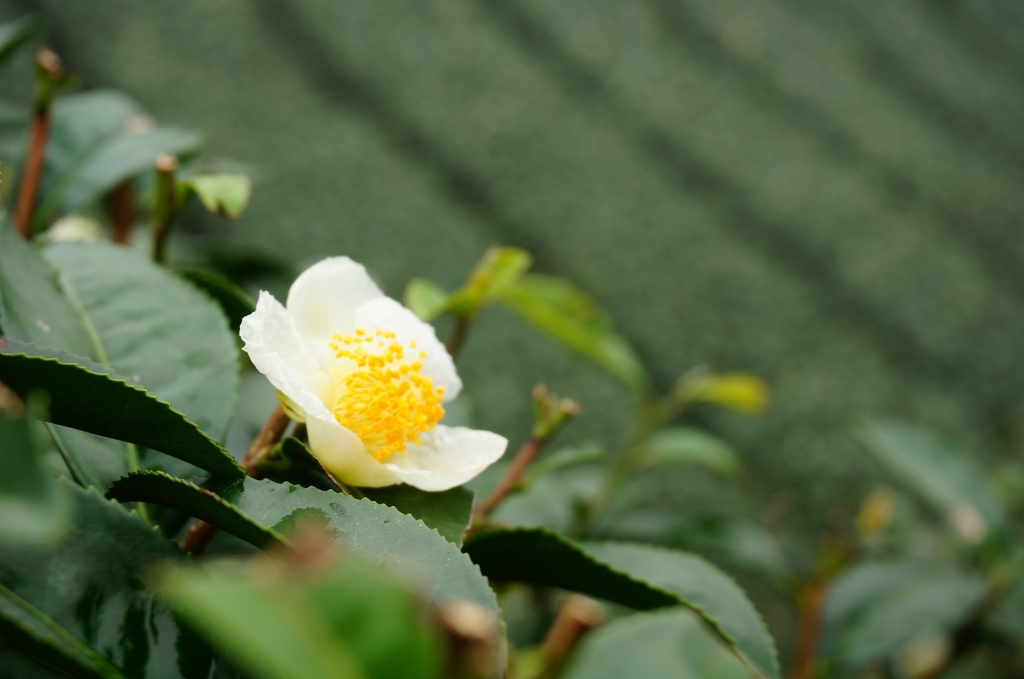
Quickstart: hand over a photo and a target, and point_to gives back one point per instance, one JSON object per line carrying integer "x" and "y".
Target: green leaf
{"x": 924, "y": 600}
{"x": 91, "y": 398}
{"x": 498, "y": 270}
{"x": 32, "y": 507}
{"x": 634, "y": 575}
{"x": 33, "y": 307}
{"x": 566, "y": 313}
{"x": 222, "y": 194}
{"x": 667, "y": 645}
{"x": 742, "y": 392}
{"x": 686, "y": 445}
{"x": 425, "y": 298}
{"x": 233, "y": 301}
{"x": 159, "y": 488}
{"x": 943, "y": 477}
{"x": 267, "y": 633}
{"x": 48, "y": 643}
{"x": 383, "y": 535}
{"x": 157, "y": 329}
{"x": 103, "y": 163}
{"x": 90, "y": 585}
{"x": 14, "y": 34}
{"x": 449, "y": 513}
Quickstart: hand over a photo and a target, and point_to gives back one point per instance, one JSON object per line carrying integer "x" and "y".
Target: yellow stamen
{"x": 383, "y": 399}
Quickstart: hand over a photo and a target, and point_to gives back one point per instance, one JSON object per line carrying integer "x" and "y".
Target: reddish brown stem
{"x": 457, "y": 337}
{"x": 32, "y": 172}
{"x": 524, "y": 457}
{"x": 576, "y": 616}
{"x": 812, "y": 606}
{"x": 49, "y": 74}
{"x": 201, "y": 533}
{"x": 122, "y": 212}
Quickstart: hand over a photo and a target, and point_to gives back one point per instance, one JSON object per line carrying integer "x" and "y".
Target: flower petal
{"x": 345, "y": 456}
{"x": 387, "y": 314}
{"x": 449, "y": 457}
{"x": 278, "y": 351}
{"x": 324, "y": 298}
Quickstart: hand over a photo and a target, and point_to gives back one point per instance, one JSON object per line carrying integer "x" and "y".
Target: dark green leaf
{"x": 382, "y": 535}
{"x": 157, "y": 329}
{"x": 945, "y": 478}
{"x": 48, "y": 643}
{"x": 449, "y": 513}
{"x": 15, "y": 34}
{"x": 33, "y": 509}
{"x": 233, "y": 301}
{"x": 222, "y": 194}
{"x": 91, "y": 398}
{"x": 158, "y": 488}
{"x": 668, "y": 645}
{"x": 90, "y": 585}
{"x": 634, "y": 575}
{"x": 558, "y": 308}
{"x": 33, "y": 307}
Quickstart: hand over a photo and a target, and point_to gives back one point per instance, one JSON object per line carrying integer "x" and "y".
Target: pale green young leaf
{"x": 742, "y": 392}
{"x": 222, "y": 194}
{"x": 566, "y": 313}
{"x": 425, "y": 298}
{"x": 671, "y": 644}
{"x": 498, "y": 270}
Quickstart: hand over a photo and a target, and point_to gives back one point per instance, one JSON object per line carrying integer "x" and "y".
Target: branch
{"x": 164, "y": 203}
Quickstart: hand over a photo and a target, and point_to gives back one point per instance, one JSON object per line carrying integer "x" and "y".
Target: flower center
{"x": 379, "y": 394}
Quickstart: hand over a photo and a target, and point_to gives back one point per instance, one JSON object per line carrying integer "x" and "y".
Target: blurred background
{"x": 828, "y": 195}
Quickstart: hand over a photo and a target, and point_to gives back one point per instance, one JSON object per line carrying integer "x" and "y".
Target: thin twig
{"x": 49, "y": 74}
{"x": 122, "y": 212}
{"x": 812, "y": 608}
{"x": 520, "y": 463}
{"x": 201, "y": 533}
{"x": 457, "y": 337}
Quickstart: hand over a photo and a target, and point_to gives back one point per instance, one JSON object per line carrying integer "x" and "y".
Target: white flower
{"x": 368, "y": 378}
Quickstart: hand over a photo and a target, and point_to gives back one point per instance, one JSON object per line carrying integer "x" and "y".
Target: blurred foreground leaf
{"x": 91, "y": 398}
{"x": 634, "y": 575}
{"x": 339, "y": 621}
{"x": 33, "y": 508}
{"x": 43, "y": 640}
{"x": 565, "y": 312}
{"x": 667, "y": 645}
{"x": 947, "y": 480}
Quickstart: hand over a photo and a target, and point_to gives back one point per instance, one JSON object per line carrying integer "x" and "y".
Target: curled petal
{"x": 449, "y": 457}
{"x": 387, "y": 314}
{"x": 278, "y": 351}
{"x": 324, "y": 298}
{"x": 344, "y": 455}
